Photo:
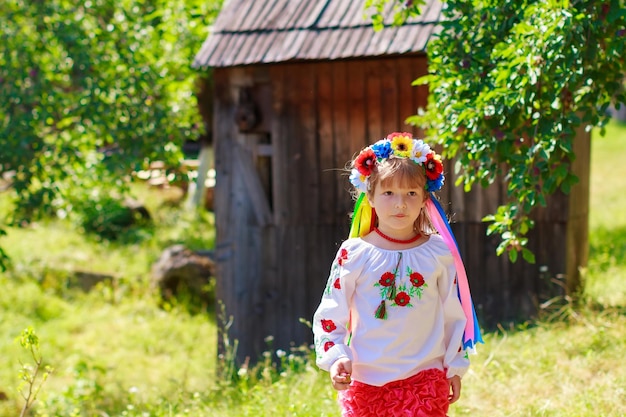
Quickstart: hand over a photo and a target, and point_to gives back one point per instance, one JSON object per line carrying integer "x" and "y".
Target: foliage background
{"x": 509, "y": 83}
{"x": 91, "y": 91}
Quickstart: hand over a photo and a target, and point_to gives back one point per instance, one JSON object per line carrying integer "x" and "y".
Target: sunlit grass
{"x": 608, "y": 178}
{"x": 131, "y": 346}
{"x": 115, "y": 345}
{"x": 553, "y": 369}
{"x": 606, "y": 281}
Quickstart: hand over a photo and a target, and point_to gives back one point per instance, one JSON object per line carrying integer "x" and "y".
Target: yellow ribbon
{"x": 361, "y": 218}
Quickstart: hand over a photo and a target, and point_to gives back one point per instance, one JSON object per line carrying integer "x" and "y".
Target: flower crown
{"x": 398, "y": 145}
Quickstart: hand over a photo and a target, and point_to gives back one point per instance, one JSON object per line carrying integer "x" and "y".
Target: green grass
{"x": 607, "y": 222}
{"x": 117, "y": 352}
{"x": 553, "y": 369}
{"x": 114, "y": 345}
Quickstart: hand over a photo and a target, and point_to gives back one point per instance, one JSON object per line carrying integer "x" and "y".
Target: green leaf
{"x": 528, "y": 256}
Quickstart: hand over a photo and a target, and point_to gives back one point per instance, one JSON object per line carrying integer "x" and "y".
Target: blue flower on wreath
{"x": 382, "y": 148}
{"x": 435, "y": 185}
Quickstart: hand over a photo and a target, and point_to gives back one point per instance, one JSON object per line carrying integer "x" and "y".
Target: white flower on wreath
{"x": 358, "y": 180}
{"x": 419, "y": 152}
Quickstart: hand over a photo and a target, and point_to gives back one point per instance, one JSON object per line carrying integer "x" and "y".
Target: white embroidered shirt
{"x": 423, "y": 320}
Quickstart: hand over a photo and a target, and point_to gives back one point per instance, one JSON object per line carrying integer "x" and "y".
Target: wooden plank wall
{"x": 239, "y": 248}
{"x": 331, "y": 110}
{"x": 321, "y": 114}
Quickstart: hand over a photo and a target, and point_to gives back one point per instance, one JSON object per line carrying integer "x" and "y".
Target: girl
{"x": 396, "y": 317}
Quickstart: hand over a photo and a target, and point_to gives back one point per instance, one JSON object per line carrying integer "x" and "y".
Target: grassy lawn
{"x": 113, "y": 346}
{"x": 607, "y": 222}
{"x": 116, "y": 352}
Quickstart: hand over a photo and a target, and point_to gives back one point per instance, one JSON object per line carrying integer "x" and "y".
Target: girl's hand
{"x": 455, "y": 388}
{"x": 340, "y": 372}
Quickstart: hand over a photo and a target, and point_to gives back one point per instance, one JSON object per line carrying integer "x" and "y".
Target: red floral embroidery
{"x": 402, "y": 299}
{"x": 343, "y": 256}
{"x": 434, "y": 167}
{"x": 337, "y": 284}
{"x": 365, "y": 162}
{"x": 417, "y": 279}
{"x": 387, "y": 279}
{"x": 328, "y": 325}
{"x": 328, "y": 345}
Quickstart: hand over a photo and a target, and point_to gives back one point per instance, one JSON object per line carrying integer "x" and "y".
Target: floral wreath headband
{"x": 402, "y": 145}
{"x": 397, "y": 145}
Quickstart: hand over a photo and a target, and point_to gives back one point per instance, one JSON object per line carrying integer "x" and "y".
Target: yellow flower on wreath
{"x": 401, "y": 144}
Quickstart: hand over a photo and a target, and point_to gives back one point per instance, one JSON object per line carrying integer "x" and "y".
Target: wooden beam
{"x": 197, "y": 191}
{"x": 577, "y": 241}
{"x": 253, "y": 184}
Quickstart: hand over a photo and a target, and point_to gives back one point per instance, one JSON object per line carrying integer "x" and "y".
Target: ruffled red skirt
{"x": 422, "y": 395}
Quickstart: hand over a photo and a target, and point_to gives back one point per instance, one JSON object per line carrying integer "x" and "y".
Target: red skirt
{"x": 422, "y": 395}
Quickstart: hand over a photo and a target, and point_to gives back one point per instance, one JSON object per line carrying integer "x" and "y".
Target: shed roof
{"x": 269, "y": 31}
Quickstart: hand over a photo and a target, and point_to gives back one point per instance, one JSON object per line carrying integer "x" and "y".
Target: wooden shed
{"x": 300, "y": 87}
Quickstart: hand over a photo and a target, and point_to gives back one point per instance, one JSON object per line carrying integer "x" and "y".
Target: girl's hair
{"x": 406, "y": 173}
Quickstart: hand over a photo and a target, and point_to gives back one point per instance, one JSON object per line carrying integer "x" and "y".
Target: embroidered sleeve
{"x": 455, "y": 360}
{"x": 332, "y": 319}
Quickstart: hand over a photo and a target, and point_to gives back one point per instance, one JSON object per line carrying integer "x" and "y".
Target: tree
{"x": 91, "y": 90}
{"x": 509, "y": 82}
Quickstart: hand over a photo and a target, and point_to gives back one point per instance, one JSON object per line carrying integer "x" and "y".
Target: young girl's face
{"x": 398, "y": 204}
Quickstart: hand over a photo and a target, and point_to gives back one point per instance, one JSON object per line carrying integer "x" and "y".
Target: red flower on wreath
{"x": 402, "y": 299}
{"x": 328, "y": 325}
{"x": 343, "y": 256}
{"x": 337, "y": 284}
{"x": 365, "y": 162}
{"x": 328, "y": 345}
{"x": 433, "y": 166}
{"x": 417, "y": 279}
{"x": 393, "y": 135}
{"x": 387, "y": 279}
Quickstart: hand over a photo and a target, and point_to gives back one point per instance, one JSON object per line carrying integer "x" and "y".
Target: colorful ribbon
{"x": 363, "y": 218}
{"x": 438, "y": 218}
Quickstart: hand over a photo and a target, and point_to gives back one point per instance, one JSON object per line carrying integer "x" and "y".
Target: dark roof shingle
{"x": 252, "y": 32}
